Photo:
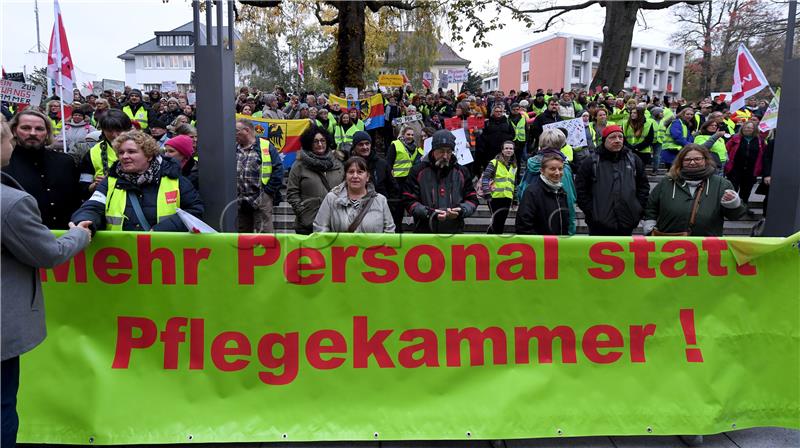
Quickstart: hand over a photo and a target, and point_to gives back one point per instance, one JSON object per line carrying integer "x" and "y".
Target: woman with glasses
{"x": 711, "y": 136}
{"x": 314, "y": 173}
{"x": 692, "y": 200}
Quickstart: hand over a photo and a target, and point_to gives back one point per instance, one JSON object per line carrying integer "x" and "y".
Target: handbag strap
{"x": 695, "y": 206}
{"x": 137, "y": 209}
{"x": 361, "y": 214}
{"x": 324, "y": 180}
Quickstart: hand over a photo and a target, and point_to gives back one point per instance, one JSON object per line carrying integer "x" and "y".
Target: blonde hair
{"x": 146, "y": 143}
{"x": 552, "y": 139}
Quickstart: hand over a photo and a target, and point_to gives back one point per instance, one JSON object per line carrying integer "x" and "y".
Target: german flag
{"x": 284, "y": 134}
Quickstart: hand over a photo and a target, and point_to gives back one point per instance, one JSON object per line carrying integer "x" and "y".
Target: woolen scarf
{"x": 698, "y": 173}
{"x": 148, "y": 176}
{"x": 319, "y": 163}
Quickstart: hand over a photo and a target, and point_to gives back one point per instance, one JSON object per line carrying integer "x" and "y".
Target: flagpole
{"x": 61, "y": 95}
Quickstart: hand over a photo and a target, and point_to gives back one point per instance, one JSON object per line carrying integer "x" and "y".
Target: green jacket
{"x": 670, "y": 205}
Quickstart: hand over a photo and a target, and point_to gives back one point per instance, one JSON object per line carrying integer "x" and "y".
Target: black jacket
{"x": 94, "y": 209}
{"x": 495, "y": 132}
{"x": 537, "y": 127}
{"x": 429, "y": 188}
{"x": 612, "y": 190}
{"x": 542, "y": 211}
{"x": 52, "y": 179}
{"x": 380, "y": 174}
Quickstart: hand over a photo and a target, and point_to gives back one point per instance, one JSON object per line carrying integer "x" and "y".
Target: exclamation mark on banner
{"x": 693, "y": 354}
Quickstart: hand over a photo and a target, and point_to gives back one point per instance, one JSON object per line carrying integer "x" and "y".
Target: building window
{"x": 627, "y": 75}
{"x": 658, "y": 59}
{"x": 643, "y": 57}
{"x": 188, "y": 61}
{"x": 577, "y": 48}
{"x": 670, "y": 79}
{"x": 182, "y": 41}
{"x": 525, "y": 77}
{"x": 641, "y": 78}
{"x": 596, "y": 50}
{"x": 672, "y": 60}
{"x": 656, "y": 80}
{"x": 577, "y": 72}
{"x": 166, "y": 41}
{"x": 149, "y": 87}
{"x": 526, "y": 56}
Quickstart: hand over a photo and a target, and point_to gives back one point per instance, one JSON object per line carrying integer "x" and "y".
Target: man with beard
{"x": 438, "y": 191}
{"x": 136, "y": 110}
{"x": 49, "y": 176}
{"x": 548, "y": 116}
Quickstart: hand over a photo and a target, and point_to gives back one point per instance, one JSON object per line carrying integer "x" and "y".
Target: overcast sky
{"x": 100, "y": 30}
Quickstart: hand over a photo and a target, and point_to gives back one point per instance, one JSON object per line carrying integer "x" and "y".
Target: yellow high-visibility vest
{"x": 402, "y": 160}
{"x": 96, "y": 154}
{"x": 266, "y": 161}
{"x": 503, "y": 180}
{"x": 140, "y": 116}
{"x": 167, "y": 203}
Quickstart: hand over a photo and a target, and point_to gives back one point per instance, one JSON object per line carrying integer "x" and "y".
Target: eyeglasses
{"x": 320, "y": 141}
{"x": 694, "y": 160}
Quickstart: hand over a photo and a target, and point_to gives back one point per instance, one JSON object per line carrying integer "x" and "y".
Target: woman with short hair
{"x": 544, "y": 208}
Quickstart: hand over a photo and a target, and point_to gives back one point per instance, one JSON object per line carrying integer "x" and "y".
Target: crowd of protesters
{"x": 127, "y": 151}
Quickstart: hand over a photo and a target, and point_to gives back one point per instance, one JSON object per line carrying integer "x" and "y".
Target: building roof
{"x": 152, "y": 47}
{"x": 446, "y": 55}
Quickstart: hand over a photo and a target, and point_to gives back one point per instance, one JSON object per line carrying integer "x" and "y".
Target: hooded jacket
{"x": 94, "y": 209}
{"x": 429, "y": 188}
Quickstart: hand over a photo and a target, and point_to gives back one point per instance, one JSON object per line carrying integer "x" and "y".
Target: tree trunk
{"x": 706, "y": 81}
{"x": 617, "y": 37}
{"x": 349, "y": 64}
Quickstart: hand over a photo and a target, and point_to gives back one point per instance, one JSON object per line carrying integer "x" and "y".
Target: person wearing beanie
{"x": 612, "y": 187}
{"x": 181, "y": 149}
{"x": 380, "y": 172}
{"x": 158, "y": 130}
{"x": 136, "y": 110}
{"x": 438, "y": 192}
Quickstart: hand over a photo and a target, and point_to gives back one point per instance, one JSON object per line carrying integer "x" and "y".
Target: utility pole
{"x": 38, "y": 39}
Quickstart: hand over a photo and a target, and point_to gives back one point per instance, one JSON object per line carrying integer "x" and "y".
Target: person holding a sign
{"x": 439, "y": 193}
{"x": 142, "y": 191}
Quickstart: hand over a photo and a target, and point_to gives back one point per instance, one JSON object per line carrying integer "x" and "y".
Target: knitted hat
{"x": 135, "y": 92}
{"x": 183, "y": 144}
{"x": 156, "y": 123}
{"x": 443, "y": 138}
{"x": 359, "y": 137}
{"x": 606, "y": 131}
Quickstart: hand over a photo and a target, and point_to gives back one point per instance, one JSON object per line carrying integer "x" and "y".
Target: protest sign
{"x": 191, "y": 98}
{"x": 235, "y": 338}
{"x": 770, "y": 119}
{"x": 462, "y": 152}
{"x": 399, "y": 121}
{"x": 169, "y": 86}
{"x": 15, "y": 76}
{"x": 18, "y": 93}
{"x": 459, "y": 75}
{"x": 112, "y": 84}
{"x": 475, "y": 123}
{"x": 453, "y": 123}
{"x": 97, "y": 87}
{"x": 576, "y": 131}
{"x": 390, "y": 80}
{"x": 351, "y": 93}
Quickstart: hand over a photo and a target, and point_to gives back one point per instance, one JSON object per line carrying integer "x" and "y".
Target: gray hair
{"x": 552, "y": 139}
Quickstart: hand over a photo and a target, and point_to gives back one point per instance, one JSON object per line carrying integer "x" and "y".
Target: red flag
{"x": 301, "y": 68}
{"x": 426, "y": 83}
{"x": 59, "y": 59}
{"x": 748, "y": 79}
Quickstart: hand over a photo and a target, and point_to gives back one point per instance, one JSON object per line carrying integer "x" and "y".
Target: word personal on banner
{"x": 399, "y": 121}
{"x": 19, "y": 93}
{"x": 576, "y": 131}
{"x": 206, "y": 329}
{"x": 462, "y": 152}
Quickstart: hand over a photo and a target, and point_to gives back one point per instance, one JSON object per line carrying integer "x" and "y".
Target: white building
{"x": 491, "y": 83}
{"x": 569, "y": 61}
{"x": 169, "y": 56}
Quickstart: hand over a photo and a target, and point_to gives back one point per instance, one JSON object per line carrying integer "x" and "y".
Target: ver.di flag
{"x": 59, "y": 58}
{"x": 748, "y": 79}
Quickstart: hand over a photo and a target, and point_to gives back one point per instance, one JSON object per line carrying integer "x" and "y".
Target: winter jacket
{"x": 52, "y": 179}
{"x": 670, "y": 206}
{"x": 612, "y": 191}
{"x": 380, "y": 175}
{"x": 306, "y": 190}
{"x": 191, "y": 171}
{"x": 27, "y": 245}
{"x": 495, "y": 132}
{"x": 94, "y": 208}
{"x": 537, "y": 127}
{"x": 429, "y": 188}
{"x": 534, "y": 169}
{"x": 733, "y": 147}
{"x": 337, "y": 212}
{"x": 73, "y": 133}
{"x": 543, "y": 211}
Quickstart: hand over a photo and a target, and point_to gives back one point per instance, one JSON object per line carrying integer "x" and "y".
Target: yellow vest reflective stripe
{"x": 568, "y": 152}
{"x": 140, "y": 116}
{"x": 503, "y": 180}
{"x": 717, "y": 148}
{"x": 402, "y": 160}
{"x": 342, "y": 136}
{"x": 96, "y": 154}
{"x": 633, "y": 139}
{"x": 266, "y": 161}
{"x": 669, "y": 143}
{"x": 661, "y": 131}
{"x": 519, "y": 128}
{"x": 56, "y": 126}
{"x": 167, "y": 203}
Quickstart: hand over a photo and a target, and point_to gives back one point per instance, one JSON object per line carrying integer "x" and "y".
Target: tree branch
{"x": 563, "y": 9}
{"x": 375, "y": 5}
{"x": 666, "y": 4}
{"x": 323, "y": 22}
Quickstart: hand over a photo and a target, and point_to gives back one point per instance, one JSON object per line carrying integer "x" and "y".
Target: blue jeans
{"x": 10, "y": 386}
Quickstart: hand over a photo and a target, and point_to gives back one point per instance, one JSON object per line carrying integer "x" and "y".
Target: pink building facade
{"x": 569, "y": 61}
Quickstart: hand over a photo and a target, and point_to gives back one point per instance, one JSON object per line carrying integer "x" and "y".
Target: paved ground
{"x": 746, "y": 438}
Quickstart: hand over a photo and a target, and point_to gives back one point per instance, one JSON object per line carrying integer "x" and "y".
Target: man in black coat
{"x": 550, "y": 115}
{"x": 49, "y": 176}
{"x": 612, "y": 187}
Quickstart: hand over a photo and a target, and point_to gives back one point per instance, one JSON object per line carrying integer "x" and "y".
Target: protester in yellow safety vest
{"x": 678, "y": 135}
{"x": 661, "y": 130}
{"x": 54, "y": 114}
{"x": 96, "y": 163}
{"x": 325, "y": 122}
{"x": 259, "y": 179}
{"x": 498, "y": 182}
{"x": 639, "y": 135}
{"x": 355, "y": 118}
{"x": 539, "y": 104}
{"x": 156, "y": 186}
{"x": 402, "y": 154}
{"x": 596, "y": 127}
{"x": 519, "y": 121}
{"x": 711, "y": 136}
{"x": 136, "y": 110}
{"x": 344, "y": 131}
